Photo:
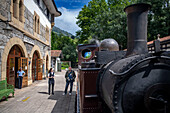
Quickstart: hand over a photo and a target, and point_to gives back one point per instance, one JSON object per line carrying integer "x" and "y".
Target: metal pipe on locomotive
{"x": 132, "y": 81}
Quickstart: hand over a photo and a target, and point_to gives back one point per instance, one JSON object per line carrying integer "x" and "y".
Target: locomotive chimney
{"x": 137, "y": 28}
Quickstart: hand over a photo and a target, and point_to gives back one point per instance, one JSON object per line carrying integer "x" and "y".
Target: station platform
{"x": 35, "y": 98}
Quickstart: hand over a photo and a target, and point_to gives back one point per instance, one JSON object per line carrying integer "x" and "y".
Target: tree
{"x": 53, "y": 41}
{"x": 159, "y": 18}
{"x": 111, "y": 22}
{"x": 101, "y": 19}
{"x": 66, "y": 44}
{"x": 86, "y": 17}
{"x": 107, "y": 20}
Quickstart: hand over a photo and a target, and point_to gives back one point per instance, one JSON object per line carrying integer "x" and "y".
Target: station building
{"x": 164, "y": 44}
{"x": 25, "y": 38}
{"x": 56, "y": 56}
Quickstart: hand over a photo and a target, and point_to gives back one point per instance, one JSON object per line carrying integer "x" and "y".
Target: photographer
{"x": 70, "y": 78}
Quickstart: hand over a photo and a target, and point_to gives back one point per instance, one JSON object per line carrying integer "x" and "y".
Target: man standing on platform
{"x": 70, "y": 78}
{"x": 20, "y": 75}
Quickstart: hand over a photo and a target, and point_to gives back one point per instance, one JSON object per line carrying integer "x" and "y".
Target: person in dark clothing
{"x": 51, "y": 81}
{"x": 70, "y": 78}
{"x": 20, "y": 75}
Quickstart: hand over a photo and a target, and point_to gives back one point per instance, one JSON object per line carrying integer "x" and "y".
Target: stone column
{"x": 21, "y": 15}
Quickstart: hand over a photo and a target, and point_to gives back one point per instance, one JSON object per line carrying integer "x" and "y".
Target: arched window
{"x": 14, "y": 8}
{"x": 38, "y": 26}
{"x": 20, "y": 10}
{"x": 35, "y": 21}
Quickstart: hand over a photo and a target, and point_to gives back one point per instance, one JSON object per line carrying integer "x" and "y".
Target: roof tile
{"x": 55, "y": 53}
{"x": 161, "y": 39}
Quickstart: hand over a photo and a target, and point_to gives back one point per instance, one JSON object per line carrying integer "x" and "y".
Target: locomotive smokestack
{"x": 137, "y": 28}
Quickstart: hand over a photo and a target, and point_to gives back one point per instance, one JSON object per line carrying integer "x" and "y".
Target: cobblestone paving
{"x": 35, "y": 98}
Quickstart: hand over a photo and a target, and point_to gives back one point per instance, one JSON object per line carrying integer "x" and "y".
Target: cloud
{"x": 67, "y": 21}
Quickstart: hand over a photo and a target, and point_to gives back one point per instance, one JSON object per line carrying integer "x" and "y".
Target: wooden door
{"x": 11, "y": 70}
{"x": 40, "y": 65}
{"x": 46, "y": 67}
{"x": 34, "y": 69}
{"x": 34, "y": 66}
{"x": 23, "y": 62}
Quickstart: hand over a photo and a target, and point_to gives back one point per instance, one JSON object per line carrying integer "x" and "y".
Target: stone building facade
{"x": 25, "y": 38}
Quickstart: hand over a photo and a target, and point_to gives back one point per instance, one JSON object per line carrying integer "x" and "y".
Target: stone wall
{"x": 5, "y": 7}
{"x": 29, "y": 24}
{"x": 29, "y": 43}
{"x": 42, "y": 33}
{"x": 6, "y": 35}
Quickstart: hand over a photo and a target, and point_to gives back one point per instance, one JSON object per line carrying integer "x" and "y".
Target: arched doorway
{"x": 16, "y": 60}
{"x": 36, "y": 67}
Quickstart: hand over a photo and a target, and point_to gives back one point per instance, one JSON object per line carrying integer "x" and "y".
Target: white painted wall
{"x": 54, "y": 63}
{"x": 32, "y": 6}
{"x": 57, "y": 61}
{"x": 56, "y": 66}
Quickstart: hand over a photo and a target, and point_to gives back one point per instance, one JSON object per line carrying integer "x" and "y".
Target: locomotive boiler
{"x": 132, "y": 81}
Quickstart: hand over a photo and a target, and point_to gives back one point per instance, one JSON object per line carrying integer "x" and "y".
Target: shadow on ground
{"x": 43, "y": 92}
{"x": 64, "y": 103}
{"x": 4, "y": 98}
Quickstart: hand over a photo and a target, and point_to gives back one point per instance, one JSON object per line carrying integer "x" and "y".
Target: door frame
{"x": 12, "y": 54}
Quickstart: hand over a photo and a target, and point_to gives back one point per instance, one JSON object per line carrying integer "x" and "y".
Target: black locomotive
{"x": 132, "y": 81}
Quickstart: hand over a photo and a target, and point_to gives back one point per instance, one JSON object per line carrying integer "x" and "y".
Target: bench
{"x": 6, "y": 89}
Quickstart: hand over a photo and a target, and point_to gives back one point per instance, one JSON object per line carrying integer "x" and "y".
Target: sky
{"x": 70, "y": 10}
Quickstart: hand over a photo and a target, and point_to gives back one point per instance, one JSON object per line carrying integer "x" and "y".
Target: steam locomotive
{"x": 132, "y": 81}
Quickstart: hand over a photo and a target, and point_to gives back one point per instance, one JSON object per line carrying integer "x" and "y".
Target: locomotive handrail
{"x": 78, "y": 98}
{"x": 125, "y": 72}
{"x": 91, "y": 96}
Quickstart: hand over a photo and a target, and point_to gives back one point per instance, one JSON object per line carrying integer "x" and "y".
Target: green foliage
{"x": 66, "y": 44}
{"x": 101, "y": 20}
{"x": 86, "y": 17}
{"x": 64, "y": 65}
{"x": 58, "y": 31}
{"x": 158, "y": 18}
{"x": 53, "y": 41}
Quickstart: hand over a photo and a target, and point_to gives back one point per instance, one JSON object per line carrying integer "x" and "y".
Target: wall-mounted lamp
{"x": 49, "y": 49}
{"x": 44, "y": 47}
{"x": 8, "y": 28}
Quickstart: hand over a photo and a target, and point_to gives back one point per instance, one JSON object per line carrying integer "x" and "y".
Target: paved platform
{"x": 35, "y": 98}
